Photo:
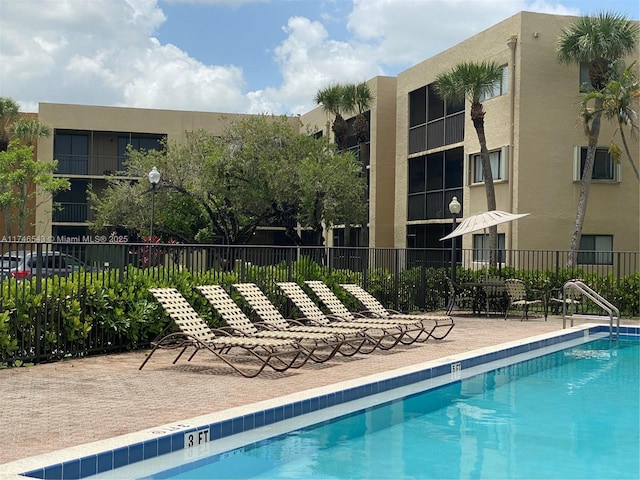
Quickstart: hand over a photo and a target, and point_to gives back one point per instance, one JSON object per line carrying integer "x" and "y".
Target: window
{"x": 604, "y": 168}
{"x": 481, "y": 248}
{"x": 137, "y": 142}
{"x": 596, "y": 250}
{"x": 500, "y": 87}
{"x": 433, "y": 123}
{"x": 72, "y": 153}
{"x": 433, "y": 180}
{"x": 498, "y": 159}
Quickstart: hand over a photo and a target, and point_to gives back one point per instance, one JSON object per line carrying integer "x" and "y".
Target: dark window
{"x": 596, "y": 250}
{"x": 433, "y": 122}
{"x": 418, "y": 107}
{"x": 603, "y": 165}
{"x": 417, "y": 180}
{"x": 453, "y": 165}
{"x": 72, "y": 153}
{"x": 433, "y": 180}
{"x": 137, "y": 142}
{"x": 435, "y": 108}
{"x": 435, "y": 171}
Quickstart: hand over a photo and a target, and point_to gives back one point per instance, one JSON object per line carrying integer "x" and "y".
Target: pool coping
{"x": 105, "y": 455}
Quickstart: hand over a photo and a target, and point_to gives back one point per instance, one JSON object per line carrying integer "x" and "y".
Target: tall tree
{"x": 619, "y": 99}
{"x": 597, "y": 42}
{"x": 472, "y": 81}
{"x": 332, "y": 101}
{"x": 20, "y": 176}
{"x": 358, "y": 98}
{"x": 23, "y": 179}
{"x": 9, "y": 113}
{"x": 252, "y": 175}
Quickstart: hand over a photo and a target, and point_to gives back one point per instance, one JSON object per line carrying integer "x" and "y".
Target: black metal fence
{"x": 77, "y": 298}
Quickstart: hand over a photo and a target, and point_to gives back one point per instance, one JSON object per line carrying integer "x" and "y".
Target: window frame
{"x": 578, "y": 165}
{"x": 499, "y": 171}
{"x": 481, "y": 252}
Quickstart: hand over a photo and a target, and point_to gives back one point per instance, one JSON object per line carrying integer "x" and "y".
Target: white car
{"x": 24, "y": 264}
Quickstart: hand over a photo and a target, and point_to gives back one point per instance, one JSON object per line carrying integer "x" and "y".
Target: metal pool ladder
{"x": 595, "y": 297}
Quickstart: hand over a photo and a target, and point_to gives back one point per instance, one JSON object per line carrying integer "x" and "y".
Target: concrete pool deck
{"x": 59, "y": 405}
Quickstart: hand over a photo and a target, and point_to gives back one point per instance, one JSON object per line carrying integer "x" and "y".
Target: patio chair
{"x": 239, "y": 323}
{"x": 356, "y": 339}
{"x": 458, "y": 297}
{"x": 254, "y": 356}
{"x": 416, "y": 329}
{"x": 519, "y": 297}
{"x": 573, "y": 299}
{"x": 402, "y": 332}
{"x": 496, "y": 294}
{"x": 443, "y": 323}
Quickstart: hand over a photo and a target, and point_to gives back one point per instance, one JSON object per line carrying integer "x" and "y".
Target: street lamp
{"x": 454, "y": 208}
{"x": 154, "y": 178}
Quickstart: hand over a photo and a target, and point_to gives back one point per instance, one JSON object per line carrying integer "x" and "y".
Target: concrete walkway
{"x": 53, "y": 406}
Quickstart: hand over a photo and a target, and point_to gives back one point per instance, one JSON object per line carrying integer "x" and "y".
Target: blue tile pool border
{"x": 171, "y": 442}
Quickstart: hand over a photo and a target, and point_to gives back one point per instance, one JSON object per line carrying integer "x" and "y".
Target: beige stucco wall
{"x": 548, "y": 127}
{"x": 382, "y": 163}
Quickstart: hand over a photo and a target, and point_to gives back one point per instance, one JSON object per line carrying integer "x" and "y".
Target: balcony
{"x": 88, "y": 165}
{"x": 67, "y": 212}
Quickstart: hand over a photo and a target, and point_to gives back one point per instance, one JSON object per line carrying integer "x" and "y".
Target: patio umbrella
{"x": 483, "y": 220}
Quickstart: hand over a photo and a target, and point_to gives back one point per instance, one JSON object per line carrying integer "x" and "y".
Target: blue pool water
{"x": 570, "y": 414}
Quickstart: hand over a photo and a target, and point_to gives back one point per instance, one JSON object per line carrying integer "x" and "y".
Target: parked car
{"x": 24, "y": 264}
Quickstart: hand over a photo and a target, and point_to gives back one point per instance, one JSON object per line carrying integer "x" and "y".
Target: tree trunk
{"x": 477, "y": 115}
{"x": 626, "y": 149}
{"x": 585, "y": 182}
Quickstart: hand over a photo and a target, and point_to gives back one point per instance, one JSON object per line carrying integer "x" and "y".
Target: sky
{"x": 239, "y": 56}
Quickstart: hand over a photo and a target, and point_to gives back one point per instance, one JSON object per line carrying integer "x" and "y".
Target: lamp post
{"x": 454, "y": 208}
{"x": 154, "y": 178}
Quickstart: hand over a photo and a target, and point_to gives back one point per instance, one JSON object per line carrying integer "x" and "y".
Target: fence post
{"x": 39, "y": 308}
{"x": 423, "y": 281}
{"x": 396, "y": 288}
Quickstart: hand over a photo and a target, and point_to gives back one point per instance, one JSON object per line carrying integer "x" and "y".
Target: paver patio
{"x": 53, "y": 406}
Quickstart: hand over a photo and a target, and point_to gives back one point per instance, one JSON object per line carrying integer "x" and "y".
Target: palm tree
{"x": 28, "y": 130}
{"x": 332, "y": 101}
{"x": 619, "y": 99}
{"x": 358, "y": 98}
{"x": 598, "y": 42}
{"x": 9, "y": 113}
{"x": 472, "y": 81}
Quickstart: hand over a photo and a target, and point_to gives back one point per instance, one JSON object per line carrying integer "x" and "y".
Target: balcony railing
{"x": 89, "y": 164}
{"x": 69, "y": 212}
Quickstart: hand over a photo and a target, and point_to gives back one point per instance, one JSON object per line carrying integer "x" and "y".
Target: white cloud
{"x": 309, "y": 60}
{"x": 406, "y": 32}
{"x": 104, "y": 52}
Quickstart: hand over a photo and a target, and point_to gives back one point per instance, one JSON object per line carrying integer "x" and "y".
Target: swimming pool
{"x": 299, "y": 411}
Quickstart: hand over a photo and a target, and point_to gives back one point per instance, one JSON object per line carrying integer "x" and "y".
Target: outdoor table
{"x": 480, "y": 293}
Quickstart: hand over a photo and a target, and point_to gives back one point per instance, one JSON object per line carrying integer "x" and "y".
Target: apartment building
{"x": 90, "y": 143}
{"x": 421, "y": 151}
{"x": 535, "y": 140}
{"x": 378, "y": 159}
